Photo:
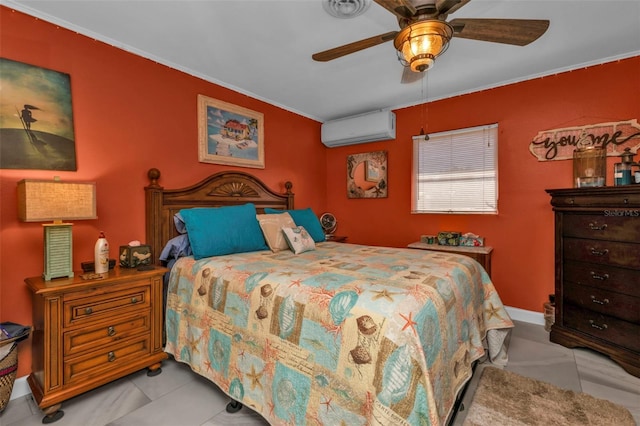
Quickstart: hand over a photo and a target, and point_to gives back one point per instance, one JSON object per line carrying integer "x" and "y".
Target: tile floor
{"x": 138, "y": 400}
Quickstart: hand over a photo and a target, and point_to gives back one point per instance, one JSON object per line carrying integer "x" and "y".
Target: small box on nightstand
{"x": 448, "y": 238}
{"x": 134, "y": 256}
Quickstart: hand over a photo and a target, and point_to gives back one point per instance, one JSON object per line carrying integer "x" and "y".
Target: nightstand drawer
{"x": 110, "y": 357}
{"x": 108, "y": 332}
{"x": 117, "y": 301}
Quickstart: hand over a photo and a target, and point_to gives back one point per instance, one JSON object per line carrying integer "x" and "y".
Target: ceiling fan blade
{"x": 446, "y": 7}
{"x": 400, "y": 8}
{"x": 519, "y": 32}
{"x": 356, "y": 46}
{"x": 409, "y": 76}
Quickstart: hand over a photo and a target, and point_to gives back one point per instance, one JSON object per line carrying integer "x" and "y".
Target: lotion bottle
{"x": 101, "y": 252}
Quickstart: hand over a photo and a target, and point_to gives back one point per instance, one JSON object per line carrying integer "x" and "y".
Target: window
{"x": 456, "y": 171}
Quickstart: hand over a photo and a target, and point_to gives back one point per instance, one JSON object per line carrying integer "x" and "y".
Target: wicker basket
{"x": 8, "y": 371}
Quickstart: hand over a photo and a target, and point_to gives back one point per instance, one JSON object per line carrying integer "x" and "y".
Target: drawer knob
{"x": 594, "y": 227}
{"x": 598, "y": 301}
{"x": 598, "y": 326}
{"x": 88, "y": 311}
{"x": 134, "y": 300}
{"x": 111, "y": 356}
{"x": 597, "y": 276}
{"x": 111, "y": 331}
{"x": 596, "y": 252}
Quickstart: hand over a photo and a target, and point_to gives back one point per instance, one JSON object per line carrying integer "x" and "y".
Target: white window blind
{"x": 456, "y": 171}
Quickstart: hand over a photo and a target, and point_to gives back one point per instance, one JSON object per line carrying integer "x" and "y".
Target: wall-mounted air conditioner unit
{"x": 369, "y": 127}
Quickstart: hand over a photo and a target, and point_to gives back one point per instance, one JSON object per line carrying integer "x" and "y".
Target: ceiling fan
{"x": 425, "y": 33}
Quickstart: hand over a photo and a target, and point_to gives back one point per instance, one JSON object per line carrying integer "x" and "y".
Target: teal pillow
{"x": 223, "y": 230}
{"x": 305, "y": 218}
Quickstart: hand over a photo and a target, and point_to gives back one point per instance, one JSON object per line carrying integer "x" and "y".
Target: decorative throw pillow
{"x": 223, "y": 230}
{"x": 304, "y": 217}
{"x": 271, "y": 225}
{"x": 298, "y": 239}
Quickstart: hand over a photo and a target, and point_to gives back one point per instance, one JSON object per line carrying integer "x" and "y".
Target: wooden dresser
{"x": 597, "y": 280}
{"x": 90, "y": 332}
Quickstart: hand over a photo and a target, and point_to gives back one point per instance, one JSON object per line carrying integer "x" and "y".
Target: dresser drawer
{"x": 613, "y": 224}
{"x": 607, "y": 197}
{"x": 110, "y": 357}
{"x": 90, "y": 338}
{"x": 603, "y": 252}
{"x": 117, "y": 301}
{"x": 603, "y": 301}
{"x": 620, "y": 280}
{"x": 604, "y": 327}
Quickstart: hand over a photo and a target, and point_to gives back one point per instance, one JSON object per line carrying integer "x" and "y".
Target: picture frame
{"x": 229, "y": 134}
{"x": 372, "y": 171}
{"x": 367, "y": 175}
{"x": 36, "y": 118}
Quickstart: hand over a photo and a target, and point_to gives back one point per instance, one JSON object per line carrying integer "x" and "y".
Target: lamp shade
{"x": 54, "y": 200}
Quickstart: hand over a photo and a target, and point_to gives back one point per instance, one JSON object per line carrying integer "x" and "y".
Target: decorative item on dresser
{"x": 91, "y": 332}
{"x": 597, "y": 283}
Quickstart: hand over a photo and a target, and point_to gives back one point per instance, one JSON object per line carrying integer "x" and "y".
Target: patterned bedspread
{"x": 343, "y": 335}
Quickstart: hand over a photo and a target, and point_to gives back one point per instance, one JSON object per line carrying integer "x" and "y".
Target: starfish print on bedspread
{"x": 409, "y": 322}
{"x": 255, "y": 378}
{"x": 383, "y": 294}
{"x": 295, "y": 283}
{"x": 327, "y": 403}
{"x": 492, "y": 311}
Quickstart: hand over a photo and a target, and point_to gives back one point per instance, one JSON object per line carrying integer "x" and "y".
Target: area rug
{"x": 506, "y": 398}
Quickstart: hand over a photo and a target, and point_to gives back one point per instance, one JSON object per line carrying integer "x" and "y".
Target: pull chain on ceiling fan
{"x": 425, "y": 33}
{"x": 425, "y": 108}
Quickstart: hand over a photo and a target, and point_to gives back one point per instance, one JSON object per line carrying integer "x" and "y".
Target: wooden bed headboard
{"x": 220, "y": 189}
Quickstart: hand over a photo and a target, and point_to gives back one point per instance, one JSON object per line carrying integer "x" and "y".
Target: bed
{"x": 338, "y": 334}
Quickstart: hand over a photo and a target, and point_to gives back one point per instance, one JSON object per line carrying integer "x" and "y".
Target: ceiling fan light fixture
{"x": 420, "y": 43}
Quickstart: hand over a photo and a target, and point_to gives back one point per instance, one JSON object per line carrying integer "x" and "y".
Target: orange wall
{"x": 130, "y": 114}
{"x": 522, "y": 233}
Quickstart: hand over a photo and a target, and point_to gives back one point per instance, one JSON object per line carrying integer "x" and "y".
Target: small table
{"x": 481, "y": 254}
{"x": 336, "y": 238}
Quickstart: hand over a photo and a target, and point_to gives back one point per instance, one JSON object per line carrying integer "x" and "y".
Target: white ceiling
{"x": 263, "y": 48}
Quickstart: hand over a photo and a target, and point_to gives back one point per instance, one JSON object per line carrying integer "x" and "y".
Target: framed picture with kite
{"x": 36, "y": 118}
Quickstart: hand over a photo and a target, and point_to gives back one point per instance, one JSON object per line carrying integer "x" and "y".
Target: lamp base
{"x": 58, "y": 251}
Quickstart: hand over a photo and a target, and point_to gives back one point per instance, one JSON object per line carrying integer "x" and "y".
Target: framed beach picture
{"x": 367, "y": 175}
{"x": 229, "y": 134}
{"x": 36, "y": 118}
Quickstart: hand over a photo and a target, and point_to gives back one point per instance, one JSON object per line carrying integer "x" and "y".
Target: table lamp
{"x": 54, "y": 200}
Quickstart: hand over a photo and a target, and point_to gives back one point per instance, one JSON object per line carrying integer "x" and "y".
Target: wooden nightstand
{"x": 480, "y": 254}
{"x": 337, "y": 238}
{"x": 91, "y": 332}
